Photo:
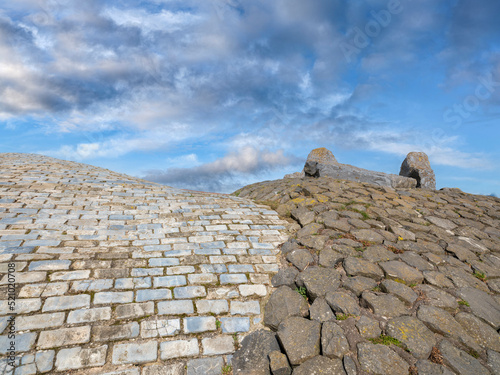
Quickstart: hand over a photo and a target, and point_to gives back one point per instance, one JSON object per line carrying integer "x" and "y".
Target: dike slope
{"x": 379, "y": 281}
{"x": 115, "y": 275}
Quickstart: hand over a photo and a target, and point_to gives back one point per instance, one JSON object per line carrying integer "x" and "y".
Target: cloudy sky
{"x": 215, "y": 94}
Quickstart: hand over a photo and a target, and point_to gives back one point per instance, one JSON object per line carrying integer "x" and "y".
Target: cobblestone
{"x": 116, "y": 271}
{"x": 77, "y": 358}
{"x": 179, "y": 348}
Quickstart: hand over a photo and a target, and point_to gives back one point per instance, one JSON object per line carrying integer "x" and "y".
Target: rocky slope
{"x": 379, "y": 281}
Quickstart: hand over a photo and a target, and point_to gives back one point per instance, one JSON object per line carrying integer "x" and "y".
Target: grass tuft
{"x": 387, "y": 340}
{"x": 480, "y": 275}
{"x": 344, "y": 316}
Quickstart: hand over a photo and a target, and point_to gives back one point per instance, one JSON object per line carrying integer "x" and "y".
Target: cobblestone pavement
{"x": 116, "y": 275}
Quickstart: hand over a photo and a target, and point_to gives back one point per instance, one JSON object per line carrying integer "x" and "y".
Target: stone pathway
{"x": 116, "y": 275}
{"x": 378, "y": 281}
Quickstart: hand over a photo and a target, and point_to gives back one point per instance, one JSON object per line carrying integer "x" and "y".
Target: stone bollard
{"x": 417, "y": 166}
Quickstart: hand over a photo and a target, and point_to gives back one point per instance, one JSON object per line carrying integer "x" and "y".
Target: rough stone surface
{"x": 385, "y": 305}
{"x": 322, "y": 155}
{"x": 283, "y": 303}
{"x": 438, "y": 298}
{"x": 481, "y": 332}
{"x": 333, "y": 342}
{"x": 459, "y": 361}
{"x": 380, "y": 360}
{"x": 416, "y": 165}
{"x": 442, "y": 322}
{"x": 343, "y": 303}
{"x": 482, "y": 305}
{"x": 252, "y": 357}
{"x": 351, "y": 173}
{"x": 368, "y": 328}
{"x": 413, "y": 334}
{"x": 300, "y": 339}
{"x": 358, "y": 284}
{"x": 425, "y": 367}
{"x": 205, "y": 366}
{"x": 360, "y": 267}
{"x": 401, "y": 272}
{"x": 494, "y": 361}
{"x": 403, "y": 292}
{"x": 321, "y": 311}
{"x": 300, "y": 258}
{"x": 319, "y": 281}
{"x": 279, "y": 363}
{"x": 285, "y": 276}
{"x": 320, "y": 365}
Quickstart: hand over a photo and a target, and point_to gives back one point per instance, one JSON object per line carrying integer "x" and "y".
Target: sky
{"x": 213, "y": 95}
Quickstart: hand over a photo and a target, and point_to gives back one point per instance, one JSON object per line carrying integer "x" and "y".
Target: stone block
{"x": 179, "y": 348}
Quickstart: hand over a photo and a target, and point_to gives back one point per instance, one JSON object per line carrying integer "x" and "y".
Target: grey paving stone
{"x": 189, "y": 292}
{"x": 133, "y": 283}
{"x": 115, "y": 332}
{"x": 252, "y": 290}
{"x": 50, "y": 265}
{"x": 39, "y": 321}
{"x": 233, "y": 325}
{"x": 135, "y": 353}
{"x": 179, "y": 348}
{"x": 170, "y": 369}
{"x": 199, "y": 324}
{"x": 205, "y": 366}
{"x": 236, "y": 278}
{"x": 70, "y": 275}
{"x": 217, "y": 345}
{"x": 89, "y": 315}
{"x": 176, "y": 307}
{"x": 66, "y": 303}
{"x": 202, "y": 278}
{"x": 45, "y": 360}
{"x": 134, "y": 310}
{"x": 153, "y": 294}
{"x": 160, "y": 327}
{"x": 101, "y": 266}
{"x": 24, "y": 342}
{"x": 132, "y": 371}
{"x": 169, "y": 281}
{"x": 63, "y": 337}
{"x": 114, "y": 297}
{"x": 245, "y": 308}
{"x": 77, "y": 358}
{"x": 480, "y": 331}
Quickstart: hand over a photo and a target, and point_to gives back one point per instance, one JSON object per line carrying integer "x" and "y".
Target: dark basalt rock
{"x": 252, "y": 357}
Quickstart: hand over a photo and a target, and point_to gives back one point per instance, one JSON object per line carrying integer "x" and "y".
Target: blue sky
{"x": 215, "y": 94}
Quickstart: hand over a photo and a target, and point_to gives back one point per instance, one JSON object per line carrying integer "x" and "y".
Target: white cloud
{"x": 223, "y": 174}
{"x": 99, "y": 147}
{"x": 165, "y": 20}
